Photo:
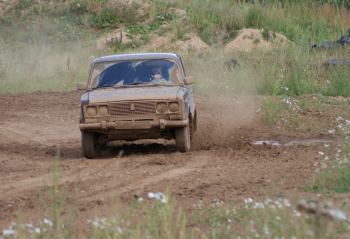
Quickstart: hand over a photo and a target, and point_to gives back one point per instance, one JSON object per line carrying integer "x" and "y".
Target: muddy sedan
{"x": 137, "y": 96}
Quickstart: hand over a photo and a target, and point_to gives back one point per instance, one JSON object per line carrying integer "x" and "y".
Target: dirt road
{"x": 224, "y": 164}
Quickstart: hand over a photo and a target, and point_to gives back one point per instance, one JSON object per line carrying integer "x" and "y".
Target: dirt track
{"x": 224, "y": 164}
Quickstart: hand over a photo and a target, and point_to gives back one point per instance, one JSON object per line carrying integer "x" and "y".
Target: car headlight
{"x": 161, "y": 108}
{"x": 103, "y": 110}
{"x": 91, "y": 110}
{"x": 174, "y": 107}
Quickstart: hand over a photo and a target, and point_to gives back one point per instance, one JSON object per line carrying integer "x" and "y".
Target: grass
{"x": 52, "y": 29}
{"x": 335, "y": 177}
{"x": 46, "y": 67}
{"x": 276, "y": 218}
{"x": 271, "y": 109}
{"x": 335, "y": 180}
{"x": 313, "y": 22}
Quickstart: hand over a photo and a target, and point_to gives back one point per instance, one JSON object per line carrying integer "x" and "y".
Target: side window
{"x": 175, "y": 74}
{"x": 181, "y": 68}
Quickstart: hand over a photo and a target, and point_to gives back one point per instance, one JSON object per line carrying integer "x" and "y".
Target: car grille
{"x": 132, "y": 108}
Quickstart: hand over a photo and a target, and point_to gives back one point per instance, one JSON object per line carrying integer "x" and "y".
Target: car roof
{"x": 136, "y": 56}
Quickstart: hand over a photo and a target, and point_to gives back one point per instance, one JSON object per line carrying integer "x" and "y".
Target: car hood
{"x": 134, "y": 93}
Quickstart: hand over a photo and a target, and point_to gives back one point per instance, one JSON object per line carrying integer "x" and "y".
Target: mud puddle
{"x": 297, "y": 142}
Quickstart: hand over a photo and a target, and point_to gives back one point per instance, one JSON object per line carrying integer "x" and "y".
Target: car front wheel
{"x": 183, "y": 139}
{"x": 89, "y": 144}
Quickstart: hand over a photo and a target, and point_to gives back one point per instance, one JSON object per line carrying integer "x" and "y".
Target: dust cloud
{"x": 226, "y": 97}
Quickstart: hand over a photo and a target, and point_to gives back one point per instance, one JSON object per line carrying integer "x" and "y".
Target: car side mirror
{"x": 188, "y": 80}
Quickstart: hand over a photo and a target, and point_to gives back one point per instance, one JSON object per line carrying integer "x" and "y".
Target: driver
{"x": 157, "y": 76}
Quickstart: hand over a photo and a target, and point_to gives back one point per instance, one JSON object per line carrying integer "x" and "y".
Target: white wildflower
{"x": 8, "y": 232}
{"x": 338, "y": 214}
{"x": 47, "y": 222}
{"x": 266, "y": 230}
{"x": 286, "y": 202}
{"x": 140, "y": 199}
{"x": 157, "y": 196}
{"x": 28, "y": 225}
{"x": 248, "y": 200}
{"x": 119, "y": 230}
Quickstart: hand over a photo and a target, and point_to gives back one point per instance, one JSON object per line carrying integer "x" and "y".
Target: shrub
{"x": 22, "y": 4}
{"x": 78, "y": 6}
{"x": 105, "y": 18}
{"x": 254, "y": 17}
{"x": 271, "y": 110}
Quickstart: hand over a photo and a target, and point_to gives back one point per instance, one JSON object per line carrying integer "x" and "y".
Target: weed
{"x": 271, "y": 109}
{"x": 336, "y": 180}
{"x": 265, "y": 34}
{"x": 254, "y": 17}
{"x": 78, "y": 6}
{"x": 339, "y": 84}
{"x": 160, "y": 11}
{"x": 179, "y": 31}
{"x": 256, "y": 41}
{"x": 335, "y": 176}
{"x": 105, "y": 18}
{"x": 22, "y": 4}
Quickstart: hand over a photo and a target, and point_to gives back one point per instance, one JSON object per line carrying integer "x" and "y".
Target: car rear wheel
{"x": 183, "y": 139}
{"x": 89, "y": 144}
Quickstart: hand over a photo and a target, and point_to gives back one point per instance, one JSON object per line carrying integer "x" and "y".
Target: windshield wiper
{"x": 107, "y": 86}
{"x": 137, "y": 83}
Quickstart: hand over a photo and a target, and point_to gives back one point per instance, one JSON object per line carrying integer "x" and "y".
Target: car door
{"x": 188, "y": 97}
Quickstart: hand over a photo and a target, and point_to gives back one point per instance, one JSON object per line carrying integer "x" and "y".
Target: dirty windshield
{"x": 133, "y": 73}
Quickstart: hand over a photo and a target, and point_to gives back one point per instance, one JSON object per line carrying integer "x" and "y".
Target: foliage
{"x": 271, "y": 109}
{"x": 105, "y": 18}
{"x": 78, "y": 6}
{"x": 335, "y": 176}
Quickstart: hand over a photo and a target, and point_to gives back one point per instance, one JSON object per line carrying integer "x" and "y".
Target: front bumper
{"x": 130, "y": 125}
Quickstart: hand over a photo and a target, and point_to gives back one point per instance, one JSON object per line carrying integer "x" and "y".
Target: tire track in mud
{"x": 195, "y": 163}
{"x": 47, "y": 135}
{"x": 46, "y": 180}
{"x": 222, "y": 165}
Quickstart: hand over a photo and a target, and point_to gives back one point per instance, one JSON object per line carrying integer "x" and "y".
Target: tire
{"x": 89, "y": 144}
{"x": 183, "y": 139}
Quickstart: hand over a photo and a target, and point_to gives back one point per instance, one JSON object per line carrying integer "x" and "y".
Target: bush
{"x": 78, "y": 6}
{"x": 254, "y": 18}
{"x": 271, "y": 110}
{"x": 22, "y": 4}
{"x": 105, "y": 18}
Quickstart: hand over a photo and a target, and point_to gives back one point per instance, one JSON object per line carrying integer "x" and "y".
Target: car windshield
{"x": 136, "y": 72}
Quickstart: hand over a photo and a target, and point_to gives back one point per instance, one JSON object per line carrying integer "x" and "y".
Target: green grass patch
{"x": 338, "y": 82}
{"x": 271, "y": 110}
{"x": 335, "y": 180}
{"x": 46, "y": 67}
{"x": 334, "y": 177}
